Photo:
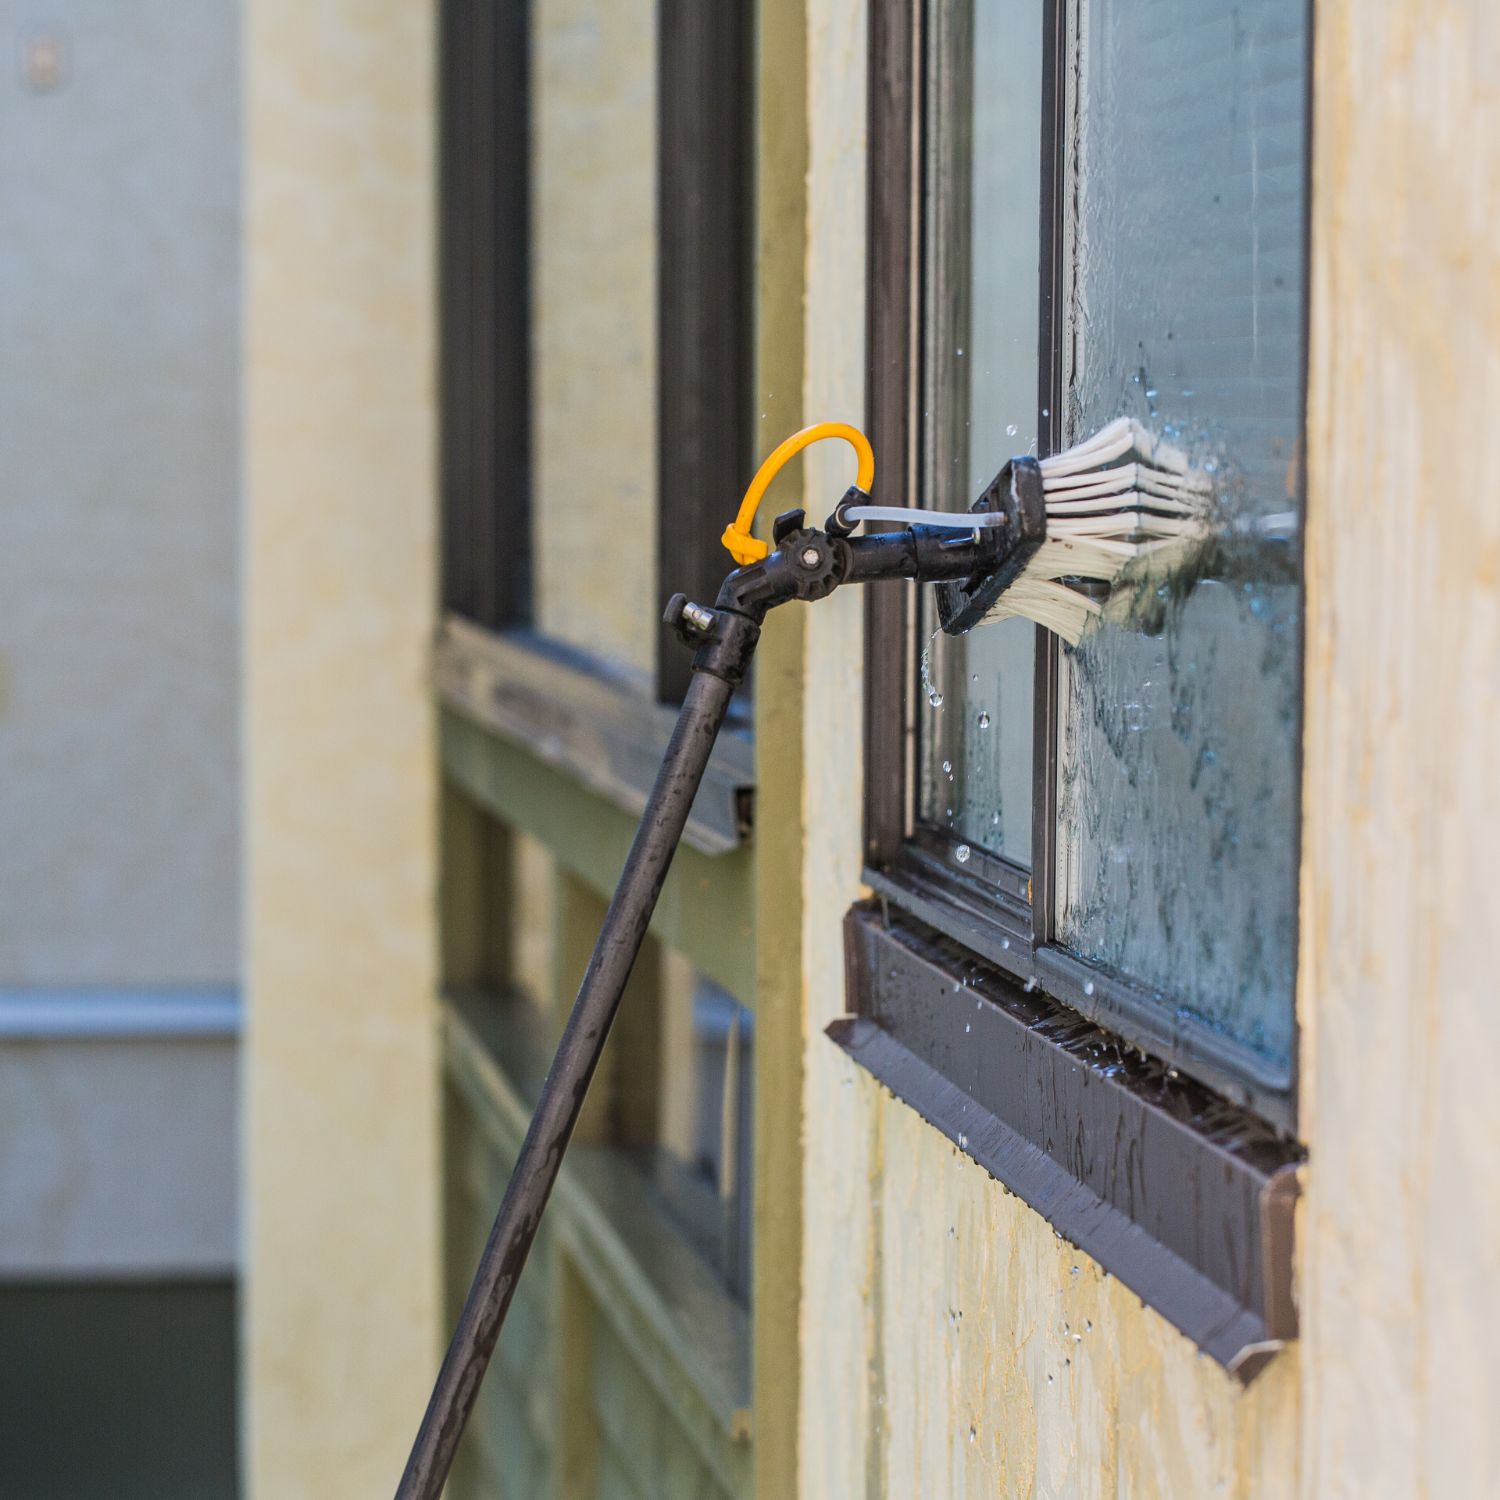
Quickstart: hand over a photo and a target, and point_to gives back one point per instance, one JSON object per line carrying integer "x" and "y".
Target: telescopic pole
{"x": 562, "y": 1094}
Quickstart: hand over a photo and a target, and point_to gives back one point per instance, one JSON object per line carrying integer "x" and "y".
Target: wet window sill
{"x": 1186, "y": 1199}
{"x": 589, "y": 721}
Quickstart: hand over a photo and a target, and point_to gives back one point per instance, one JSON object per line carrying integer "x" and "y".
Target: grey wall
{"x": 119, "y": 420}
{"x": 119, "y": 286}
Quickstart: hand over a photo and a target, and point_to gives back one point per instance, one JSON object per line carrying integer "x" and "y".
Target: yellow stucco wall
{"x": 951, "y": 1344}
{"x": 341, "y": 1295}
{"x": 1401, "y": 901}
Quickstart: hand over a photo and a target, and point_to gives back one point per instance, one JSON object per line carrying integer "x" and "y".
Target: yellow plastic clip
{"x": 747, "y": 549}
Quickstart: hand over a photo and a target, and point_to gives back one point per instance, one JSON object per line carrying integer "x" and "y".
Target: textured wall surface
{"x": 117, "y": 1157}
{"x": 951, "y": 1343}
{"x": 1401, "y": 902}
{"x": 341, "y": 1315}
{"x": 119, "y": 454}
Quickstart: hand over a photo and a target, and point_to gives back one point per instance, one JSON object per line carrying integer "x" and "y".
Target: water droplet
{"x": 963, "y": 1140}
{"x": 948, "y": 768}
{"x": 960, "y": 353}
{"x": 961, "y": 854}
{"x": 1005, "y": 942}
{"x": 934, "y": 697}
{"x": 984, "y": 719}
{"x": 1088, "y": 986}
{"x": 1010, "y": 430}
{"x": 1030, "y": 984}
{"x": 972, "y": 1434}
{"x": 968, "y": 1027}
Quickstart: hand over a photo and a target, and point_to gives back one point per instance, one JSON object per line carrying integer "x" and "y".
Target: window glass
{"x": 593, "y": 325}
{"x": 1179, "y": 727}
{"x": 700, "y": 1165}
{"x": 980, "y": 354}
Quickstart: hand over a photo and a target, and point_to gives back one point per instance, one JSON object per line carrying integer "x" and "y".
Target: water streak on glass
{"x": 1179, "y": 736}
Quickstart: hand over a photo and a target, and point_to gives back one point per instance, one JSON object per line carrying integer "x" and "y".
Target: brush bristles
{"x": 1103, "y": 516}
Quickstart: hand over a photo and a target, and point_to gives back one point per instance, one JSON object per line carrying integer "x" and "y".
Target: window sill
{"x": 1000, "y": 931}
{"x": 591, "y": 722}
{"x": 688, "y": 1335}
{"x": 1187, "y": 1200}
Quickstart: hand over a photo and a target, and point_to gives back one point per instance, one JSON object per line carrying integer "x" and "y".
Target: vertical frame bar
{"x": 705, "y": 351}
{"x": 893, "y": 308}
{"x": 484, "y": 386}
{"x": 1051, "y": 320}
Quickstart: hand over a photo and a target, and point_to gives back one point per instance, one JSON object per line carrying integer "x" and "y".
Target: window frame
{"x": 1004, "y": 914}
{"x": 1040, "y": 1070}
{"x": 704, "y": 327}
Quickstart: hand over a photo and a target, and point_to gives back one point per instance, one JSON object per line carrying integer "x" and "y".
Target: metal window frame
{"x": 483, "y": 269}
{"x": 1068, "y": 1058}
{"x": 992, "y": 906}
{"x": 704, "y": 305}
{"x": 705, "y": 328}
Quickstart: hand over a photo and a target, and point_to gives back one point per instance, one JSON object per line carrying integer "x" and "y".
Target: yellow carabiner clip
{"x": 747, "y": 549}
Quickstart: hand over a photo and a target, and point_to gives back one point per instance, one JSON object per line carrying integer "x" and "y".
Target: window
{"x": 699, "y": 1162}
{"x": 596, "y": 338}
{"x": 672, "y": 1105}
{"x": 1124, "y": 813}
{"x": 1078, "y": 211}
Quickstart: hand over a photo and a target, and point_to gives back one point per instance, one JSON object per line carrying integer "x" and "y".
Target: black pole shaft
{"x": 562, "y": 1095}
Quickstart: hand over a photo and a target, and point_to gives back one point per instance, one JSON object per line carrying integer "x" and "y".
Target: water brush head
{"x": 1121, "y": 499}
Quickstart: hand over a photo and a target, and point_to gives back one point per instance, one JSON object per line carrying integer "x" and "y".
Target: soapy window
{"x": 1113, "y": 225}
{"x": 1177, "y": 739}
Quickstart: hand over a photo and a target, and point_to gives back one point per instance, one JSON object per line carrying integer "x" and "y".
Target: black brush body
{"x": 1016, "y": 493}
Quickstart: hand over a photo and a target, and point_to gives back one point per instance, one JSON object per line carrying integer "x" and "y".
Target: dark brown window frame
{"x": 994, "y": 906}
{"x": 1217, "y": 1141}
{"x": 703, "y": 310}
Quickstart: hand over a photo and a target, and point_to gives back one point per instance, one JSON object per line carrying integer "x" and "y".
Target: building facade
{"x": 1052, "y": 1070}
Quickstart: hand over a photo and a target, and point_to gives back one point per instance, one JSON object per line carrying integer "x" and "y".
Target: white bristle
{"x": 1104, "y": 515}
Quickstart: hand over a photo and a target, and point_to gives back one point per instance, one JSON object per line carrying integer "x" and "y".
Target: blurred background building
{"x": 1048, "y": 1073}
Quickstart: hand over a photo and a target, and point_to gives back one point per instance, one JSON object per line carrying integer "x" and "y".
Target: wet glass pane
{"x": 1179, "y": 728}
{"x": 982, "y": 250}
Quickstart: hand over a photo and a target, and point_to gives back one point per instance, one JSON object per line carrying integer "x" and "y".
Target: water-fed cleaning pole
{"x": 567, "y": 1082}
{"x": 806, "y": 564}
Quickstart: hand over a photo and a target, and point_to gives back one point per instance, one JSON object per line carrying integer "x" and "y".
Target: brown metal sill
{"x": 1187, "y": 1199}
{"x": 997, "y": 928}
